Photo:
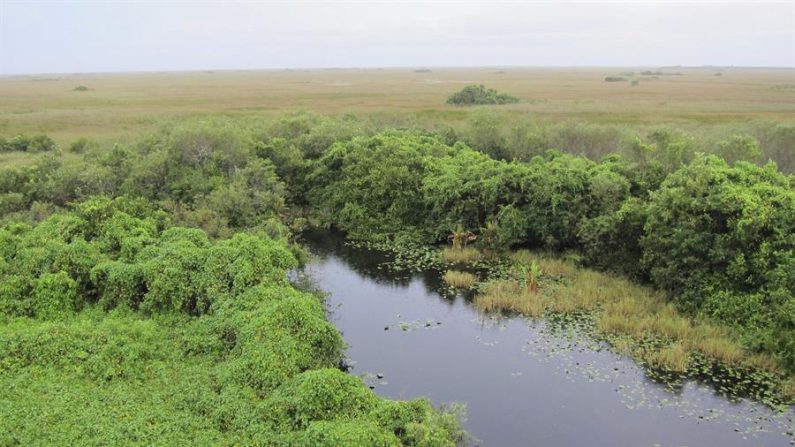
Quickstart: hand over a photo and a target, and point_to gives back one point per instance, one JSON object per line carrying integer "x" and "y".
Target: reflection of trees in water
{"x": 324, "y": 243}
{"x": 365, "y": 262}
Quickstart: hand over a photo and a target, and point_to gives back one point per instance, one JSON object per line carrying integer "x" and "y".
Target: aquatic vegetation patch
{"x": 640, "y": 323}
{"x": 459, "y": 280}
{"x": 672, "y": 358}
{"x": 464, "y": 255}
{"x": 510, "y": 296}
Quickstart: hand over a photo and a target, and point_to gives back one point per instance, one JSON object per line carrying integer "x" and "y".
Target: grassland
{"x": 120, "y": 105}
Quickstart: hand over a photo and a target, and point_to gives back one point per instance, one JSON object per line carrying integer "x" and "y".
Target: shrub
{"x": 484, "y": 133}
{"x": 475, "y": 94}
{"x": 739, "y": 148}
{"x": 356, "y": 432}
{"x": 21, "y": 143}
{"x": 41, "y": 143}
{"x": 321, "y": 395}
{"x": 54, "y": 296}
{"x": 721, "y": 239}
{"x": 370, "y": 187}
{"x": 611, "y": 241}
{"x": 82, "y": 145}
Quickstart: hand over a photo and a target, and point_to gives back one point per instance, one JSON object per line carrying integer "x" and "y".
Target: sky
{"x": 118, "y": 36}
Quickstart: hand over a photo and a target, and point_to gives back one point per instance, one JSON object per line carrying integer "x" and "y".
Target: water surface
{"x": 523, "y": 382}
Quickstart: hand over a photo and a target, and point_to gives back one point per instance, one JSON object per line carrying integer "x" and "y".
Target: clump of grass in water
{"x": 459, "y": 280}
{"x": 510, "y": 296}
{"x": 462, "y": 255}
{"x": 623, "y": 345}
{"x": 623, "y": 310}
{"x": 673, "y": 358}
{"x": 549, "y": 265}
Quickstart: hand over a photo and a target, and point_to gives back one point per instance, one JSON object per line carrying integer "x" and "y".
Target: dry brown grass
{"x": 550, "y": 266}
{"x": 618, "y": 325}
{"x": 672, "y": 358}
{"x": 764, "y": 362}
{"x": 716, "y": 343}
{"x": 665, "y": 321}
{"x": 459, "y": 280}
{"x": 509, "y": 296}
{"x": 627, "y": 312}
{"x": 119, "y": 104}
{"x": 624, "y": 345}
{"x": 638, "y": 318}
{"x": 459, "y": 255}
{"x": 788, "y": 389}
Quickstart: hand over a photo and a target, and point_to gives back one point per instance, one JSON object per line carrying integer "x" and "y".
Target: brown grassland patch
{"x": 122, "y": 104}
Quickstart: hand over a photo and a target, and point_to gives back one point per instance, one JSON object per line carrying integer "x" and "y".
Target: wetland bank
{"x": 524, "y": 382}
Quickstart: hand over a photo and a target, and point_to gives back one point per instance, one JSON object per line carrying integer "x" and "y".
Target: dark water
{"x": 524, "y": 383}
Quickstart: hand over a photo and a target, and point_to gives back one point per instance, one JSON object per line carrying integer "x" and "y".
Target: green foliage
{"x": 507, "y": 229}
{"x": 325, "y": 434}
{"x": 371, "y": 186}
{"x": 611, "y": 241}
{"x": 723, "y": 240}
{"x": 740, "y": 148}
{"x": 21, "y": 143}
{"x": 82, "y": 145}
{"x": 233, "y": 335}
{"x": 475, "y": 94}
{"x": 484, "y": 133}
{"x": 253, "y": 194}
{"x": 321, "y": 395}
{"x": 118, "y": 328}
{"x": 54, "y": 295}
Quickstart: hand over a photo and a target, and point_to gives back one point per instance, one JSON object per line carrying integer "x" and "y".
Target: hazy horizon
{"x": 119, "y": 37}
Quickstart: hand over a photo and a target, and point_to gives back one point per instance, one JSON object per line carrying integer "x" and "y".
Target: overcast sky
{"x": 91, "y": 36}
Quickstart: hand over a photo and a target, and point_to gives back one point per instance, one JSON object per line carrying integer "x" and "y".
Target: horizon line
{"x": 386, "y": 67}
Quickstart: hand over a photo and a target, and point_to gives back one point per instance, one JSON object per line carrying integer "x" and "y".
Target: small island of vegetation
{"x": 478, "y": 94}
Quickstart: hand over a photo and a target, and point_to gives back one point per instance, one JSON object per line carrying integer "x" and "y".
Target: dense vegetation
{"x": 118, "y": 327}
{"x": 719, "y": 238}
{"x": 174, "y": 279}
{"x": 478, "y": 94}
{"x": 22, "y": 143}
